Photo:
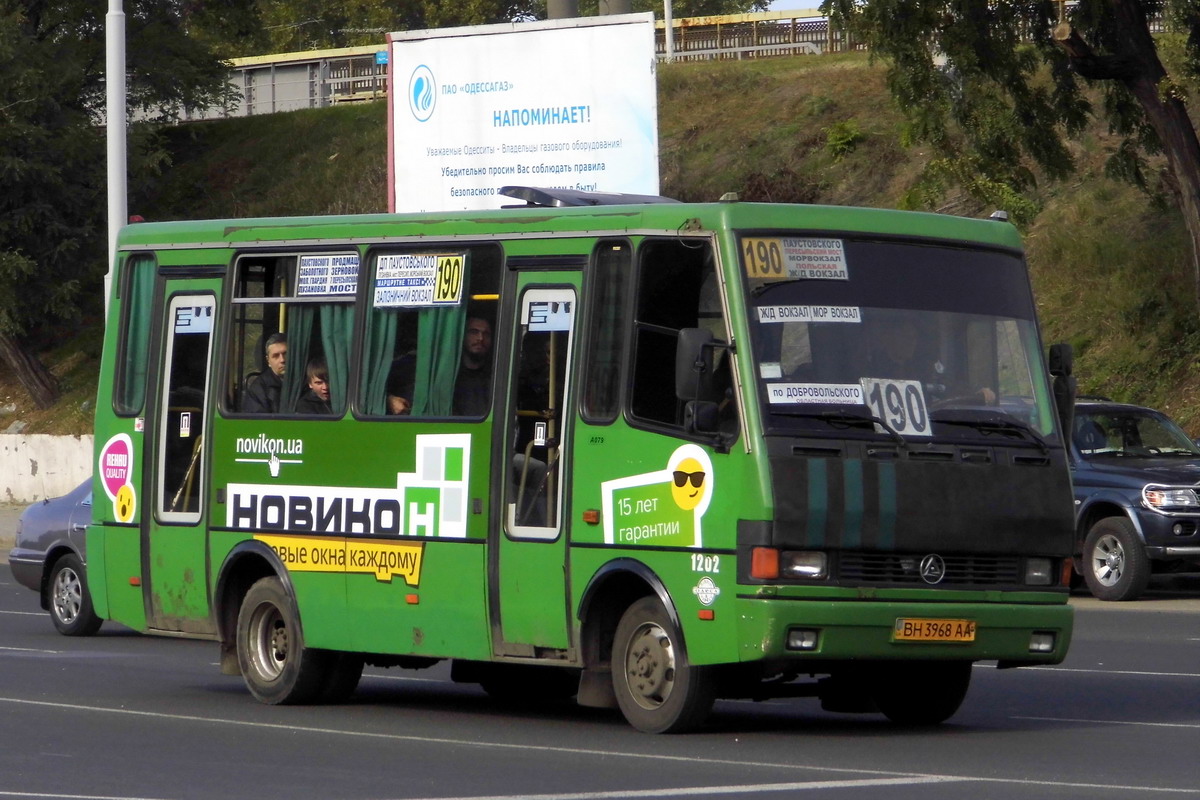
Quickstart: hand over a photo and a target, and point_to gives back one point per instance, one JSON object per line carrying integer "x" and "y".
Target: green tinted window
{"x": 607, "y": 321}
{"x": 137, "y": 286}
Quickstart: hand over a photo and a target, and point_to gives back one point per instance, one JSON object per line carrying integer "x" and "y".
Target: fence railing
{"x": 292, "y": 81}
{"x": 738, "y": 36}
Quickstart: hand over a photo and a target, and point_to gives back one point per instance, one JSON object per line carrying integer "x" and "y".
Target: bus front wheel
{"x": 920, "y": 692}
{"x": 657, "y": 690}
{"x": 277, "y": 667}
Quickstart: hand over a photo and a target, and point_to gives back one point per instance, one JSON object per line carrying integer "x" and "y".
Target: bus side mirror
{"x": 1062, "y": 365}
{"x": 1062, "y": 360}
{"x": 694, "y": 365}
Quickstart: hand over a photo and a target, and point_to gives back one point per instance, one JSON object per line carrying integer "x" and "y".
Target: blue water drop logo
{"x": 422, "y": 93}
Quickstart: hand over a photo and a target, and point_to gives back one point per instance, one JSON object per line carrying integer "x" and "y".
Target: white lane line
{"x": 50, "y": 796}
{"x": 1140, "y": 673}
{"x": 404, "y": 679}
{"x": 581, "y": 751}
{"x": 29, "y": 650}
{"x": 693, "y": 791}
{"x": 25, "y": 613}
{"x": 1191, "y": 725}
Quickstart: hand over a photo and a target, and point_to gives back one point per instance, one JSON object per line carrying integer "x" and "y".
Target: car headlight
{"x": 1165, "y": 498}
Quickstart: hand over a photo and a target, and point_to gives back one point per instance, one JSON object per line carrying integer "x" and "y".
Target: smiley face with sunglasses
{"x": 687, "y": 486}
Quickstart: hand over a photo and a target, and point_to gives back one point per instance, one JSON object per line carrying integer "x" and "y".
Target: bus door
{"x": 530, "y": 592}
{"x": 174, "y": 586}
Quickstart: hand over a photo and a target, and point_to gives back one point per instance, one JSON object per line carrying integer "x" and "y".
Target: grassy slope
{"x": 1111, "y": 271}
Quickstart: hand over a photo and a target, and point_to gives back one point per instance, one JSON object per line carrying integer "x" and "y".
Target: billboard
{"x": 564, "y": 103}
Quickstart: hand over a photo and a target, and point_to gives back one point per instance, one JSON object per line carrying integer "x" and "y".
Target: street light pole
{"x": 668, "y": 33}
{"x": 114, "y": 81}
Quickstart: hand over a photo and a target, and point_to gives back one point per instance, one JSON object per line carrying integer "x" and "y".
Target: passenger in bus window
{"x": 262, "y": 395}
{"x": 472, "y": 386}
{"x": 400, "y": 384}
{"x": 316, "y": 399}
{"x": 472, "y": 390}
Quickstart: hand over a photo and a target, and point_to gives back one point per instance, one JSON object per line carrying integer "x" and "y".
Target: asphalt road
{"x": 122, "y": 715}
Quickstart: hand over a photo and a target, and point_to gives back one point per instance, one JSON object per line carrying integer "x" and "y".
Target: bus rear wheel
{"x": 277, "y": 667}
{"x": 657, "y": 690}
{"x": 920, "y": 692}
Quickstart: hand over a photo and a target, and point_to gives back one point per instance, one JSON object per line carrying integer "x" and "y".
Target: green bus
{"x": 643, "y": 453}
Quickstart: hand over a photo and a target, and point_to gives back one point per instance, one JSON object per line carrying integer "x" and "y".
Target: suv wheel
{"x": 1115, "y": 565}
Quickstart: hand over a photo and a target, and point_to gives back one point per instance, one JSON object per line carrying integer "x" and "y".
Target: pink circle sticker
{"x": 116, "y": 463}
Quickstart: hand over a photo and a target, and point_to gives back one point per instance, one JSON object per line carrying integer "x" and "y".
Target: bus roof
{"x": 659, "y": 216}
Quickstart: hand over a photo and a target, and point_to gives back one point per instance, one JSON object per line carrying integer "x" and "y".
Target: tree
{"x": 997, "y": 86}
{"x": 52, "y": 210}
{"x": 297, "y": 25}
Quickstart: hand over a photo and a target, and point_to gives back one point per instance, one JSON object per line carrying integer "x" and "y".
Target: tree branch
{"x": 1085, "y": 61}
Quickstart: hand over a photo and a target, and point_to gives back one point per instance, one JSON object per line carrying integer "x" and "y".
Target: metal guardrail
{"x": 292, "y": 81}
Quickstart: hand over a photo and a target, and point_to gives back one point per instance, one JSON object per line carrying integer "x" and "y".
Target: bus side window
{"x": 319, "y": 343}
{"x": 607, "y": 315}
{"x": 676, "y": 289}
{"x": 427, "y": 355}
{"x": 277, "y": 331}
{"x": 137, "y": 294}
{"x": 257, "y": 315}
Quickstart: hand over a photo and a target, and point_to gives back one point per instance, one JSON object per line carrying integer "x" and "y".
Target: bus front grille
{"x": 960, "y": 570}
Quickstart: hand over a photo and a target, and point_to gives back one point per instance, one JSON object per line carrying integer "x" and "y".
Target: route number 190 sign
{"x": 901, "y": 404}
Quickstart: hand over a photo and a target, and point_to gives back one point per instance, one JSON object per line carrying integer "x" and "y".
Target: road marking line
{"x": 403, "y": 679}
{"x": 25, "y": 613}
{"x": 689, "y": 791}
{"x": 30, "y": 650}
{"x": 541, "y": 748}
{"x": 1115, "y": 722}
{"x": 50, "y": 796}
{"x": 1118, "y": 672}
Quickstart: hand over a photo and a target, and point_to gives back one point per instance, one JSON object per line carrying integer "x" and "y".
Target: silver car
{"x": 49, "y": 558}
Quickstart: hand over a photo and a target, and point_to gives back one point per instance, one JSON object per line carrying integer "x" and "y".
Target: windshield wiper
{"x": 846, "y": 419}
{"x": 997, "y": 425}
{"x": 763, "y": 288}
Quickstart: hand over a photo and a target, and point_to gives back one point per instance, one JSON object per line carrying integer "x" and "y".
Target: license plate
{"x": 934, "y": 630}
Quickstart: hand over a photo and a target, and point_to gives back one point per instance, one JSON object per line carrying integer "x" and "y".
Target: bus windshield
{"x": 900, "y": 339}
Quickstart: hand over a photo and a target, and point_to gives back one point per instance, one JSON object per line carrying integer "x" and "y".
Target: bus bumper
{"x": 1015, "y": 634}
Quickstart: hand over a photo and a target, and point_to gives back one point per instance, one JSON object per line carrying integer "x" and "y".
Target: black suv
{"x": 1137, "y": 496}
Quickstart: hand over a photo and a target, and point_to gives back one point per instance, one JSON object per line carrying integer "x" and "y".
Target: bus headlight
{"x": 1039, "y": 572}
{"x": 767, "y": 563}
{"x": 807, "y": 564}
